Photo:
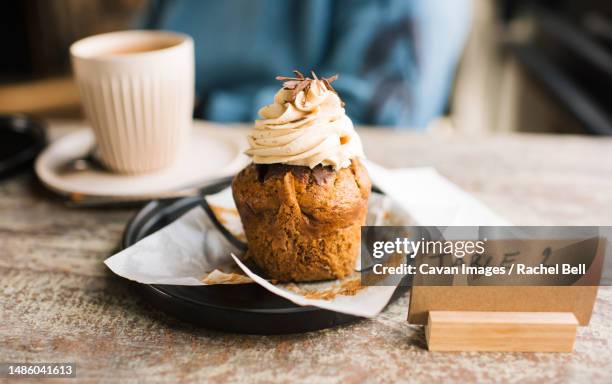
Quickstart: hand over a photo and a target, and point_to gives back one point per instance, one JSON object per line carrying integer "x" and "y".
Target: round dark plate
{"x": 244, "y": 308}
{"x": 21, "y": 140}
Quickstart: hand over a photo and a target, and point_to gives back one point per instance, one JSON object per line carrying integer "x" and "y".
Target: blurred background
{"x": 474, "y": 66}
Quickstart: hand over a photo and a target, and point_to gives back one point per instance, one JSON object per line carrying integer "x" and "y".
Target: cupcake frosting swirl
{"x": 306, "y": 125}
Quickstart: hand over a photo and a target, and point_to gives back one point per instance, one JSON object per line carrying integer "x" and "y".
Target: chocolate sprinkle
{"x": 302, "y": 83}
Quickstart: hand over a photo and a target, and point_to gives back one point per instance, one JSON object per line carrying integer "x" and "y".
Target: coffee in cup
{"x": 137, "y": 89}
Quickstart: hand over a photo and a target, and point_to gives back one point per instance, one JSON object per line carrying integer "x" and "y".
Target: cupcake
{"x": 303, "y": 199}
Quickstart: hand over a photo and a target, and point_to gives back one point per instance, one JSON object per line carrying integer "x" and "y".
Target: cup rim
{"x": 78, "y": 48}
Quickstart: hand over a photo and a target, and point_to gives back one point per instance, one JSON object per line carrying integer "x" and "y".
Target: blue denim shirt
{"x": 396, "y": 58}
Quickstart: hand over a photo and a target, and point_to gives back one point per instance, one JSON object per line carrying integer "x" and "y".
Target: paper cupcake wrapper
{"x": 200, "y": 248}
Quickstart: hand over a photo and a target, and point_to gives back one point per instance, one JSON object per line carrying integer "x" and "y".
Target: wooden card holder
{"x": 501, "y": 331}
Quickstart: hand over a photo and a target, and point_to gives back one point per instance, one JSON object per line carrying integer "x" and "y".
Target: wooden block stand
{"x": 501, "y": 331}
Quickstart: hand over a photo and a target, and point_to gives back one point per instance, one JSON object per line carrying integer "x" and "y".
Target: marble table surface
{"x": 58, "y": 302}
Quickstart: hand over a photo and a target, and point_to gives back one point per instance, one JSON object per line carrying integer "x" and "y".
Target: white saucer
{"x": 212, "y": 152}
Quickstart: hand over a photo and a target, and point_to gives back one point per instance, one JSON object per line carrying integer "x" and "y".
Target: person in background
{"x": 396, "y": 58}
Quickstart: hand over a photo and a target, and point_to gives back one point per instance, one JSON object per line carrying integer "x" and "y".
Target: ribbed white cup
{"x": 139, "y": 103}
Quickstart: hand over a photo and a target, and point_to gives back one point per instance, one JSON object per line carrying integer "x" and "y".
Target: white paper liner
{"x": 191, "y": 251}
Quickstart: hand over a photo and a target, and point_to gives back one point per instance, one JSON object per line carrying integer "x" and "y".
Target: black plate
{"x": 21, "y": 140}
{"x": 244, "y": 308}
